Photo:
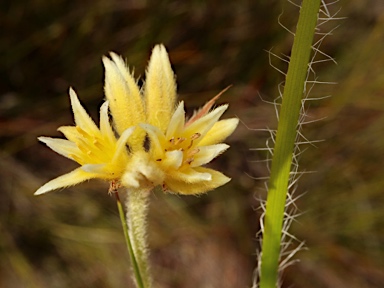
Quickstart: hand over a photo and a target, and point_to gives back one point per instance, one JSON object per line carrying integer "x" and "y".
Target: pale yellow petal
{"x": 172, "y": 160}
{"x": 136, "y": 101}
{"x": 97, "y": 169}
{"x": 124, "y": 99}
{"x": 177, "y": 186}
{"x": 207, "y": 153}
{"x": 121, "y": 149}
{"x": 70, "y": 132}
{"x": 205, "y": 123}
{"x": 82, "y": 118}
{"x": 105, "y": 126}
{"x": 189, "y": 175}
{"x": 103, "y": 171}
{"x": 221, "y": 130}
{"x": 63, "y": 147}
{"x": 176, "y": 124}
{"x": 160, "y": 89}
{"x": 75, "y": 177}
{"x": 157, "y": 140}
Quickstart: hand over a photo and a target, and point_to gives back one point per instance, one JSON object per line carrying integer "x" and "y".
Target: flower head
{"x": 95, "y": 149}
{"x": 177, "y": 148}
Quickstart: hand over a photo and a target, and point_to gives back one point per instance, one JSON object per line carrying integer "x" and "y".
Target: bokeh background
{"x": 73, "y": 238}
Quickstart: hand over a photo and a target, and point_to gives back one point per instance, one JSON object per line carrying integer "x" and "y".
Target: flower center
{"x": 94, "y": 148}
{"x": 185, "y": 145}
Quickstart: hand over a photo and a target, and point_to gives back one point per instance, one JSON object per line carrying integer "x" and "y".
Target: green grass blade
{"x": 285, "y": 140}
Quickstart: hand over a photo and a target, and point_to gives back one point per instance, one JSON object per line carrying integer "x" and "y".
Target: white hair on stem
{"x": 290, "y": 245}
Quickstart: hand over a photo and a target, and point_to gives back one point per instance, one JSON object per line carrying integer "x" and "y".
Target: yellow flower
{"x": 96, "y": 150}
{"x": 177, "y": 149}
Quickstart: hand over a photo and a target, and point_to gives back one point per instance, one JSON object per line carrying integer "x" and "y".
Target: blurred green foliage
{"x": 73, "y": 238}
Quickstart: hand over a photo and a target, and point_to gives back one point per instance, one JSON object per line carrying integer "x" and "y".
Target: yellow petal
{"x": 63, "y": 147}
{"x": 157, "y": 140}
{"x": 207, "y": 153}
{"x": 82, "y": 118}
{"x": 98, "y": 169}
{"x": 121, "y": 145}
{"x": 124, "y": 99}
{"x": 160, "y": 89}
{"x": 105, "y": 126}
{"x": 177, "y": 186}
{"x": 70, "y": 132}
{"x": 103, "y": 171}
{"x": 205, "y": 123}
{"x": 176, "y": 124}
{"x": 221, "y": 130}
{"x": 189, "y": 175}
{"x": 173, "y": 160}
{"x": 75, "y": 177}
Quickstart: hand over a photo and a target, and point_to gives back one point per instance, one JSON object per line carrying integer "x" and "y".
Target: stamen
{"x": 82, "y": 132}
{"x": 83, "y": 147}
{"x": 176, "y": 141}
{"x": 193, "y": 152}
{"x": 179, "y": 140}
{"x": 76, "y": 158}
{"x": 194, "y": 137}
{"x": 189, "y": 160}
{"x": 97, "y": 144}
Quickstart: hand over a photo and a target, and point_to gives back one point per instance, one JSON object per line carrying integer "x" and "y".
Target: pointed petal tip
{"x": 113, "y": 54}
{"x": 158, "y": 48}
{"x": 43, "y": 139}
{"x": 125, "y": 135}
{"x": 118, "y": 59}
{"x": 72, "y": 93}
{"x": 75, "y": 102}
{"x": 105, "y": 60}
{"x": 40, "y": 191}
{"x": 146, "y": 126}
{"x": 104, "y": 107}
{"x": 72, "y": 178}
{"x": 45, "y": 189}
{"x": 223, "y": 106}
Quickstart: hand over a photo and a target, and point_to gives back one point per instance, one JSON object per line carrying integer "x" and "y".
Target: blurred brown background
{"x": 73, "y": 238}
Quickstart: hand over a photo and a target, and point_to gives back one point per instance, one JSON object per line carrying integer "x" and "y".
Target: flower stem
{"x": 135, "y": 266}
{"x": 137, "y": 210}
{"x": 285, "y": 139}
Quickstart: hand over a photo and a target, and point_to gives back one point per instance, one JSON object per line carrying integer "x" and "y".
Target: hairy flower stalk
{"x": 178, "y": 148}
{"x": 137, "y": 210}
